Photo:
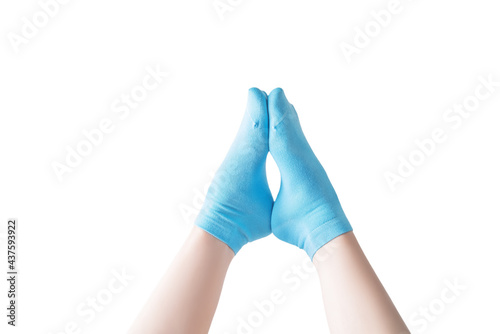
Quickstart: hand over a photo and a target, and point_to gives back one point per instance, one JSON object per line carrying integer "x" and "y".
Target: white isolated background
{"x": 120, "y": 207}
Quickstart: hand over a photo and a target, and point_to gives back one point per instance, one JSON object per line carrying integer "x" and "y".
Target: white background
{"x": 120, "y": 208}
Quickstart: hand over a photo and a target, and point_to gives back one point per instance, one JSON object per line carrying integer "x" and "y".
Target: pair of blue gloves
{"x": 239, "y": 207}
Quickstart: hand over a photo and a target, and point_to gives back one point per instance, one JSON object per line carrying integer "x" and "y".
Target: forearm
{"x": 187, "y": 296}
{"x": 355, "y": 300}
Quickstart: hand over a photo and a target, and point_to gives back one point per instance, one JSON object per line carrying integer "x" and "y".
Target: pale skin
{"x": 355, "y": 300}
{"x": 186, "y": 298}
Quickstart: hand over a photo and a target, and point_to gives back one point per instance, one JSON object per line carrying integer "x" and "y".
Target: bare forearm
{"x": 355, "y": 300}
{"x": 187, "y": 296}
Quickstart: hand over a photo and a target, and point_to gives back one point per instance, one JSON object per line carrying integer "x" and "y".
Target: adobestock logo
{"x": 221, "y": 178}
{"x": 189, "y": 212}
{"x": 363, "y": 37}
{"x": 263, "y": 309}
{"x": 122, "y": 107}
{"x": 222, "y": 7}
{"x": 292, "y": 280}
{"x": 453, "y": 118}
{"x": 420, "y": 320}
{"x": 31, "y": 27}
{"x": 88, "y": 310}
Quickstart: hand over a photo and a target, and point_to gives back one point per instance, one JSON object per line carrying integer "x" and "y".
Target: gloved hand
{"x": 237, "y": 208}
{"x": 307, "y": 212}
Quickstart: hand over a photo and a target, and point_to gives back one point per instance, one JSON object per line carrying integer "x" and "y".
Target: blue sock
{"x": 237, "y": 208}
{"x": 307, "y": 212}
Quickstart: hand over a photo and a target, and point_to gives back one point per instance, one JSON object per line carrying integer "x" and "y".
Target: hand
{"x": 238, "y": 205}
{"x": 307, "y": 212}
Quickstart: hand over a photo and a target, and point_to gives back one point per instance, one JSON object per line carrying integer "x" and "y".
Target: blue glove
{"x": 307, "y": 212}
{"x": 237, "y": 208}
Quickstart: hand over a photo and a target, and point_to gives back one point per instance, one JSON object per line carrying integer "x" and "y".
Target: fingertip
{"x": 256, "y": 92}
{"x": 257, "y": 107}
{"x": 278, "y": 106}
{"x": 278, "y": 94}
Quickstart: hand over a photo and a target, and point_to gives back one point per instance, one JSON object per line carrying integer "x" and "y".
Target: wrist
{"x": 325, "y": 233}
{"x": 211, "y": 244}
{"x": 331, "y": 249}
